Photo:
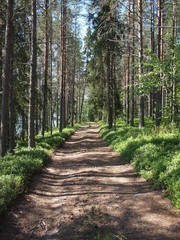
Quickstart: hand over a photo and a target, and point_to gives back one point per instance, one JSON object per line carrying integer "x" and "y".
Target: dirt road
{"x": 87, "y": 189}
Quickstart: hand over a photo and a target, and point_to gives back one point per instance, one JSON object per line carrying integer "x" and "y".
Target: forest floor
{"x": 87, "y": 189}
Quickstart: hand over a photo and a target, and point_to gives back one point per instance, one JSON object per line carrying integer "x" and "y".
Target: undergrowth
{"x": 109, "y": 237}
{"x": 16, "y": 170}
{"x": 154, "y": 153}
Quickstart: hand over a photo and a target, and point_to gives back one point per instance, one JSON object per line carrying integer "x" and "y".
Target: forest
{"x": 115, "y": 62}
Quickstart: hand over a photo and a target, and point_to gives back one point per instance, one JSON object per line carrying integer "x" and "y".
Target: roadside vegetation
{"x": 16, "y": 170}
{"x": 153, "y": 151}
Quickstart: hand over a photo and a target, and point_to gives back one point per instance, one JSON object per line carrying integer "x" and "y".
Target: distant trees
{"x": 145, "y": 70}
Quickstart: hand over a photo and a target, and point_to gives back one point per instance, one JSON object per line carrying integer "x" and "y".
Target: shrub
{"x": 16, "y": 170}
{"x": 154, "y": 153}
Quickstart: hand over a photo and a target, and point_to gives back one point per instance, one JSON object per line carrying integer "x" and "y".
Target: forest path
{"x": 87, "y": 189}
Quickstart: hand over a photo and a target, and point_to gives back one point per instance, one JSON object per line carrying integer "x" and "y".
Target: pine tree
{"x": 33, "y": 64}
{"x": 6, "y": 79}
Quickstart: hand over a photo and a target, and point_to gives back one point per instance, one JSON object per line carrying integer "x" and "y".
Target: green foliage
{"x": 154, "y": 153}
{"x": 16, "y": 170}
{"x": 109, "y": 237}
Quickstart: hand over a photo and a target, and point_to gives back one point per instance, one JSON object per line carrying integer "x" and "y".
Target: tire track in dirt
{"x": 87, "y": 189}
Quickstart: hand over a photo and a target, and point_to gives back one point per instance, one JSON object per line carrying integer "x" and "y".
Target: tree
{"x": 46, "y": 55}
{"x": 173, "y": 97}
{"x": 1, "y": 45}
{"x": 133, "y": 64}
{"x": 141, "y": 98}
{"x": 63, "y": 65}
{"x": 6, "y": 79}
{"x": 158, "y": 89}
{"x": 33, "y": 63}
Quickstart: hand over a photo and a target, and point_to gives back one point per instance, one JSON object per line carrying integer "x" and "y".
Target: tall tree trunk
{"x": 128, "y": 67}
{"x": 152, "y": 46}
{"x": 6, "y": 79}
{"x": 22, "y": 125}
{"x": 162, "y": 56}
{"x": 141, "y": 98}
{"x": 33, "y": 64}
{"x": 109, "y": 90}
{"x": 82, "y": 99}
{"x": 173, "y": 85}
{"x": 73, "y": 79}
{"x": 77, "y": 87}
{"x": 124, "y": 85}
{"x": 57, "y": 94}
{"x": 46, "y": 55}
{"x": 1, "y": 47}
{"x": 11, "y": 107}
{"x": 63, "y": 68}
{"x": 51, "y": 80}
{"x": 158, "y": 91}
{"x": 133, "y": 65}
{"x": 113, "y": 80}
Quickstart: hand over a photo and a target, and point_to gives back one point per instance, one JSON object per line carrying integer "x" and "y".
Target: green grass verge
{"x": 16, "y": 170}
{"x": 154, "y": 153}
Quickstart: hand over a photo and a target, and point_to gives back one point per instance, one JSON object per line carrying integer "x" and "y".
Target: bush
{"x": 17, "y": 170}
{"x": 154, "y": 153}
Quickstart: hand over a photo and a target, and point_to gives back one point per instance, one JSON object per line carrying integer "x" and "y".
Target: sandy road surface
{"x": 86, "y": 189}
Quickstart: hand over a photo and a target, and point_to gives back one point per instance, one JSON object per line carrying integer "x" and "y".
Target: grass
{"x": 17, "y": 170}
{"x": 154, "y": 153}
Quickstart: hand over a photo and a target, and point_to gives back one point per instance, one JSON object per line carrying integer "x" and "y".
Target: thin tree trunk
{"x": 141, "y": 98}
{"x": 158, "y": 91}
{"x": 23, "y": 125}
{"x": 82, "y": 100}
{"x": 124, "y": 87}
{"x": 51, "y": 81}
{"x": 6, "y": 79}
{"x": 79, "y": 94}
{"x": 109, "y": 90}
{"x": 152, "y": 45}
{"x": 46, "y": 55}
{"x": 113, "y": 89}
{"x": 63, "y": 68}
{"x": 57, "y": 95}
{"x": 1, "y": 47}
{"x": 33, "y": 63}
{"x": 133, "y": 66}
{"x": 73, "y": 79}
{"x": 11, "y": 107}
{"x": 77, "y": 86}
{"x": 128, "y": 67}
{"x": 173, "y": 87}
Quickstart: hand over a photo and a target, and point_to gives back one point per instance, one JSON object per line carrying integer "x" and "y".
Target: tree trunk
{"x": 82, "y": 99}
{"x": 1, "y": 47}
{"x": 141, "y": 98}
{"x": 128, "y": 67}
{"x": 133, "y": 66}
{"x": 6, "y": 79}
{"x": 46, "y": 55}
{"x": 173, "y": 86}
{"x": 33, "y": 63}
{"x": 63, "y": 68}
{"x": 73, "y": 79}
{"x": 109, "y": 90}
{"x": 11, "y": 107}
{"x": 158, "y": 91}
{"x": 22, "y": 125}
{"x": 51, "y": 81}
{"x": 152, "y": 46}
